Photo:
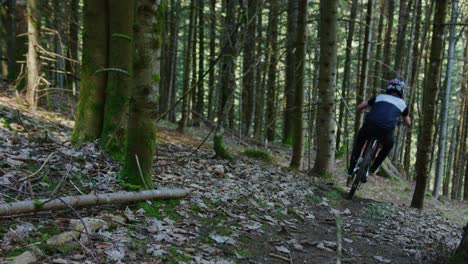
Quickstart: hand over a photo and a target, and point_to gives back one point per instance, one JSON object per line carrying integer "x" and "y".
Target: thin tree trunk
{"x": 272, "y": 89}
{"x": 114, "y": 129}
{"x": 347, "y": 66}
{"x": 187, "y": 64}
{"x": 90, "y": 111}
{"x": 193, "y": 80}
{"x": 377, "y": 84}
{"x": 166, "y": 58}
{"x": 58, "y": 41}
{"x": 201, "y": 61}
{"x": 298, "y": 124}
{"x": 248, "y": 80}
{"x": 211, "y": 74}
{"x": 259, "y": 87}
{"x": 172, "y": 90}
{"x": 405, "y": 6}
{"x": 450, "y": 160}
{"x": 73, "y": 42}
{"x": 141, "y": 142}
{"x": 325, "y": 122}
{"x": 430, "y": 93}
{"x": 290, "y": 65}
{"x": 388, "y": 70}
{"x": 361, "y": 92}
{"x": 445, "y": 104}
{"x": 227, "y": 79}
{"x": 33, "y": 63}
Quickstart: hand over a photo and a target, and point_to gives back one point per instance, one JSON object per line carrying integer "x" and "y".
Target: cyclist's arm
{"x": 406, "y": 118}
{"x": 367, "y": 104}
{"x": 362, "y": 106}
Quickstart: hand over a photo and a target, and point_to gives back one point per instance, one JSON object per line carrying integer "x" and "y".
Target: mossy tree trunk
{"x": 33, "y": 62}
{"x": 119, "y": 77}
{"x": 325, "y": 120}
{"x": 90, "y": 111}
{"x": 272, "y": 87}
{"x": 227, "y": 80}
{"x": 290, "y": 83}
{"x": 298, "y": 122}
{"x": 141, "y": 140}
{"x": 430, "y": 93}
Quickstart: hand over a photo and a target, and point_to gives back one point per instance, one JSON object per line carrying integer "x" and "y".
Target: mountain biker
{"x": 386, "y": 111}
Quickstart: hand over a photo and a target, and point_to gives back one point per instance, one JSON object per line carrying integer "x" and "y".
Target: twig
{"x": 141, "y": 172}
{"x": 85, "y": 228}
{"x": 280, "y": 257}
{"x": 43, "y": 164}
{"x": 339, "y": 235}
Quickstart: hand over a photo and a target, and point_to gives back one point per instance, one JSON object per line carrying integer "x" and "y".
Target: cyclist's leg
{"x": 386, "y": 140}
{"x": 363, "y": 134}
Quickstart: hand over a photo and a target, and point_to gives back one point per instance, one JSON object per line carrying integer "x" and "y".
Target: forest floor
{"x": 241, "y": 211}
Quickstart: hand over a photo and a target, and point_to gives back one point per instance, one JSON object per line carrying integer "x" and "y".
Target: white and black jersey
{"x": 386, "y": 111}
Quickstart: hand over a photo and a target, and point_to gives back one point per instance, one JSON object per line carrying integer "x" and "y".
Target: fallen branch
{"x": 24, "y": 207}
{"x": 339, "y": 238}
{"x": 280, "y": 257}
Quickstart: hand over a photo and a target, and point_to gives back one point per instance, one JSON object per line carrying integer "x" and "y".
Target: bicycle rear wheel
{"x": 362, "y": 170}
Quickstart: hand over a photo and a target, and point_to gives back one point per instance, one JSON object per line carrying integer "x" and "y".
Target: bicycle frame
{"x": 362, "y": 166}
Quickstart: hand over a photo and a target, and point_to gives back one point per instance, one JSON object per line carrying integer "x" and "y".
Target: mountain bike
{"x": 369, "y": 151}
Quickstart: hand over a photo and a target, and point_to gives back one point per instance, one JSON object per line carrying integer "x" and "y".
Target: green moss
{"x": 38, "y": 204}
{"x": 376, "y": 212}
{"x": 177, "y": 256}
{"x": 16, "y": 251}
{"x": 65, "y": 249}
{"x": 156, "y": 78}
{"x": 130, "y": 187}
{"x": 257, "y": 154}
{"x": 221, "y": 152}
{"x": 161, "y": 208}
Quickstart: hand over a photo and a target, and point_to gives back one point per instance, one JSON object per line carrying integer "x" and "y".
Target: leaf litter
{"x": 237, "y": 210}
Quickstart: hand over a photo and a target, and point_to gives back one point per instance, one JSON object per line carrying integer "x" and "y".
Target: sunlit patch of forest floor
{"x": 249, "y": 210}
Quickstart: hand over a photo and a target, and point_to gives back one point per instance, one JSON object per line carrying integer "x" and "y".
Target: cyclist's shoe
{"x": 347, "y": 173}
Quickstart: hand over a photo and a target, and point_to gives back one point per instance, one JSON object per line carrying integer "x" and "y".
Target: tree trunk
{"x": 201, "y": 62}
{"x": 259, "y": 83}
{"x": 450, "y": 160}
{"x": 172, "y": 90}
{"x": 405, "y": 6}
{"x": 248, "y": 80}
{"x": 290, "y": 82}
{"x": 187, "y": 65}
{"x": 325, "y": 122}
{"x": 90, "y": 111}
{"x": 298, "y": 122}
{"x": 361, "y": 92}
{"x": 377, "y": 83}
{"x": 445, "y": 104}
{"x": 193, "y": 80}
{"x": 59, "y": 39}
{"x": 271, "y": 90}
{"x": 388, "y": 70}
{"x": 119, "y": 81}
{"x": 347, "y": 66}
{"x": 166, "y": 58}
{"x": 430, "y": 93}
{"x": 33, "y": 63}
{"x": 141, "y": 141}
{"x": 211, "y": 74}
{"x": 72, "y": 68}
{"x": 227, "y": 80}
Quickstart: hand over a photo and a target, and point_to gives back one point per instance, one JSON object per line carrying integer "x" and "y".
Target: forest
{"x": 221, "y": 131}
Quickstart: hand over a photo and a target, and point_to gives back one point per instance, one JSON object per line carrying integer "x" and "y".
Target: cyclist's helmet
{"x": 396, "y": 85}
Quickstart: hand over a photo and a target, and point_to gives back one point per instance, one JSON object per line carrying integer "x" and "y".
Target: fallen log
{"x": 31, "y": 206}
